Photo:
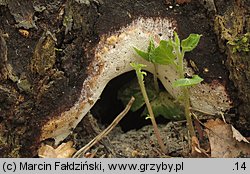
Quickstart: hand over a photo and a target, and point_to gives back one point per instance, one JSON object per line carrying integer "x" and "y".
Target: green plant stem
{"x": 187, "y": 111}
{"x": 156, "y": 79}
{"x": 152, "y": 117}
{"x": 180, "y": 57}
{"x": 185, "y": 92}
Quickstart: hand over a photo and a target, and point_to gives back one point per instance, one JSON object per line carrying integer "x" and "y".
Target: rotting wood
{"x": 49, "y": 104}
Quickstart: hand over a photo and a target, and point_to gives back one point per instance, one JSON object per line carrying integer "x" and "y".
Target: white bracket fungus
{"x": 113, "y": 55}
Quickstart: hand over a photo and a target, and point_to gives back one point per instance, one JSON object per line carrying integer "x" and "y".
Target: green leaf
{"x": 151, "y": 48}
{"x": 190, "y": 43}
{"x": 188, "y": 81}
{"x": 143, "y": 54}
{"x": 147, "y": 55}
{"x": 176, "y": 39}
{"x": 151, "y": 45}
{"x": 163, "y": 54}
{"x": 147, "y": 117}
{"x": 163, "y": 105}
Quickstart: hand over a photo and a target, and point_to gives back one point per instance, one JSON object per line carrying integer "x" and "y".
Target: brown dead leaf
{"x": 197, "y": 151}
{"x": 65, "y": 150}
{"x": 222, "y": 142}
{"x": 237, "y": 135}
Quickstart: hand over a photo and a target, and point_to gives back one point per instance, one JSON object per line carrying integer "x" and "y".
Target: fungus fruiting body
{"x": 112, "y": 57}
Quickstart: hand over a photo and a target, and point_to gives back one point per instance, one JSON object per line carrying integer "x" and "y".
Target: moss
{"x": 240, "y": 44}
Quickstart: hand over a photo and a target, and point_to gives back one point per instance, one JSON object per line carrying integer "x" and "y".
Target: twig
{"x": 222, "y": 115}
{"x": 84, "y": 149}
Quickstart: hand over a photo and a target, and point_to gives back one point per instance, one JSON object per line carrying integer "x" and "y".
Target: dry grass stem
{"x": 84, "y": 149}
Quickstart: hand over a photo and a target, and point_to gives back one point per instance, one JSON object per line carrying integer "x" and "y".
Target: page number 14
{"x": 240, "y": 166}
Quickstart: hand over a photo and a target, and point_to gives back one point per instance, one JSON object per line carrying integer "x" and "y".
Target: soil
{"x": 136, "y": 143}
{"x": 33, "y": 91}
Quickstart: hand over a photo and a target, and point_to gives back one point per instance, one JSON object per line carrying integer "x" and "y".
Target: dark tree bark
{"x": 46, "y": 48}
{"x": 232, "y": 24}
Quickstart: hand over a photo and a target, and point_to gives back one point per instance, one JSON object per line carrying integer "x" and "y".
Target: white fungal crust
{"x": 113, "y": 56}
{"x": 210, "y": 98}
